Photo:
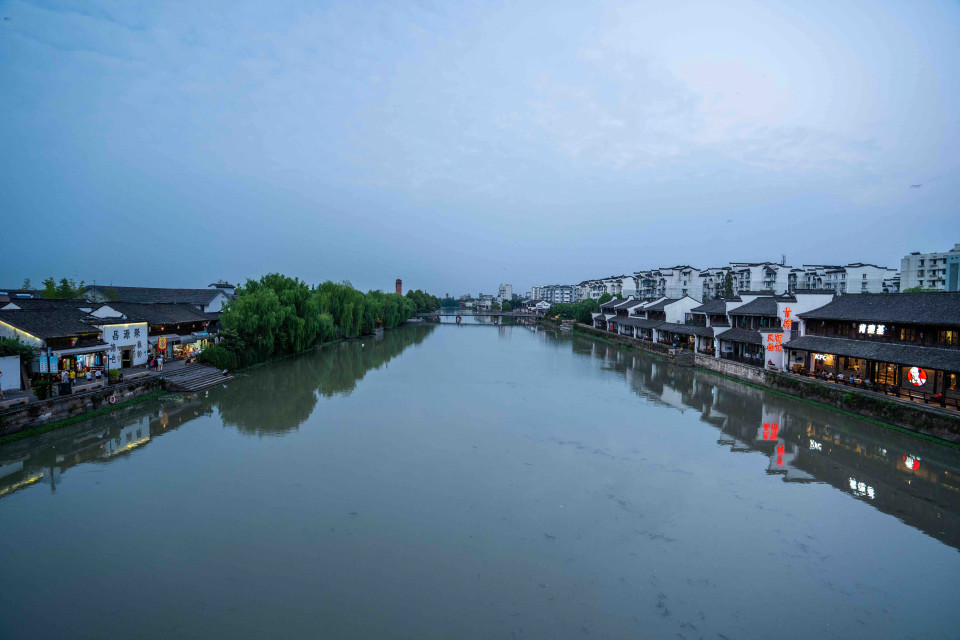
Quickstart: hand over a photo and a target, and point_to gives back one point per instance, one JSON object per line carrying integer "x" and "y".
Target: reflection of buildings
{"x": 45, "y": 459}
{"x": 899, "y": 474}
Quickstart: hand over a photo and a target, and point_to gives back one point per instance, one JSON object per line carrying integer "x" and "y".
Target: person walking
{"x": 160, "y": 363}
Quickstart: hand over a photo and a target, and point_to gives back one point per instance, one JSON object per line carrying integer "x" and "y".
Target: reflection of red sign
{"x": 917, "y": 377}
{"x": 770, "y": 430}
{"x": 910, "y": 461}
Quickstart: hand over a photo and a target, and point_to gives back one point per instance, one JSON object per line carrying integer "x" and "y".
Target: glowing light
{"x": 20, "y": 485}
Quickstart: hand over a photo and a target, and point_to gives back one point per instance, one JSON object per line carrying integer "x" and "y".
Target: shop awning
{"x": 171, "y": 338}
{"x": 893, "y": 353}
{"x": 187, "y": 339}
{"x": 687, "y": 329}
{"x": 737, "y": 334}
{"x": 77, "y": 351}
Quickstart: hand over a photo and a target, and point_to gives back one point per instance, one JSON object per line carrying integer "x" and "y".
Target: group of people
{"x": 156, "y": 362}
{"x": 70, "y": 377}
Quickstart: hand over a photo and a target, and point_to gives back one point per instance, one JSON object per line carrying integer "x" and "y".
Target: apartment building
{"x": 856, "y": 277}
{"x": 940, "y": 271}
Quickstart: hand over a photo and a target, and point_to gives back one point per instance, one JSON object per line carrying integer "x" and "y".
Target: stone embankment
{"x": 58, "y": 408}
{"x": 917, "y": 418}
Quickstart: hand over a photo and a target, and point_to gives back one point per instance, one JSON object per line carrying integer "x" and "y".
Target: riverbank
{"x": 927, "y": 422}
{"x": 42, "y": 417}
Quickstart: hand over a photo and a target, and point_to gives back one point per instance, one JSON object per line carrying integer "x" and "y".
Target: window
{"x": 949, "y": 337}
{"x": 907, "y": 335}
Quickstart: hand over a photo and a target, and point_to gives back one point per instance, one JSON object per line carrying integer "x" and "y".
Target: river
{"x": 478, "y": 482}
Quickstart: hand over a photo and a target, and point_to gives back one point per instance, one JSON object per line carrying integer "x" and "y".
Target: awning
{"x": 891, "y": 352}
{"x": 187, "y": 339}
{"x": 171, "y": 338}
{"x": 77, "y": 351}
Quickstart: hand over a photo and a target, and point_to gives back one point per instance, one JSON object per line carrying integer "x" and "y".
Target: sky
{"x": 457, "y": 145}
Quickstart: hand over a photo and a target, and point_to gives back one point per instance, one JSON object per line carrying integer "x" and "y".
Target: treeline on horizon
{"x": 278, "y": 315}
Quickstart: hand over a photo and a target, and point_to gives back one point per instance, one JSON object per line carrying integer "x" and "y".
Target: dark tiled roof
{"x": 758, "y": 307}
{"x": 908, "y": 354}
{"x": 660, "y": 305}
{"x": 161, "y": 314}
{"x": 712, "y": 307}
{"x": 748, "y": 336}
{"x": 642, "y": 323}
{"x": 50, "y": 323}
{"x": 152, "y": 295}
{"x": 42, "y": 304}
{"x": 909, "y": 308}
{"x": 627, "y": 304}
{"x": 610, "y": 304}
{"x": 686, "y": 329}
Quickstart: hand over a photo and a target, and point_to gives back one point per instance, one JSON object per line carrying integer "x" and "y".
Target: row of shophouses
{"x": 707, "y": 284}
{"x": 112, "y": 327}
{"x": 906, "y": 344}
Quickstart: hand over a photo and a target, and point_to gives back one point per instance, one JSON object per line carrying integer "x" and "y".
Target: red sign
{"x": 162, "y": 343}
{"x": 917, "y": 377}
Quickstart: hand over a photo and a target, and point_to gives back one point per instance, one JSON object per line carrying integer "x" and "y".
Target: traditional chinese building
{"x": 907, "y": 343}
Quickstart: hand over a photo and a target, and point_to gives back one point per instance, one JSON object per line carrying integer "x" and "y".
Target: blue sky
{"x": 458, "y": 145}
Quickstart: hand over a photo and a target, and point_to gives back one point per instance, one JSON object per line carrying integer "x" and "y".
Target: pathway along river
{"x": 468, "y": 482}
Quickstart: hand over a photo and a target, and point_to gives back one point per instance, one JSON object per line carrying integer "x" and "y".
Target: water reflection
{"x": 915, "y": 480}
{"x": 269, "y": 400}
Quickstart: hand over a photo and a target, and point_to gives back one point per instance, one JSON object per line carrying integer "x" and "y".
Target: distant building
{"x": 400, "y": 287}
{"x": 504, "y": 292}
{"x": 940, "y": 271}
{"x": 856, "y": 277}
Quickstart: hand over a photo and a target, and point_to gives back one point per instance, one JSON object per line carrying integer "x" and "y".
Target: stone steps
{"x": 194, "y": 377}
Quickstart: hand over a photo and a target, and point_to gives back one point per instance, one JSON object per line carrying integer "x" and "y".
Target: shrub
{"x": 219, "y": 357}
{"x": 113, "y": 375}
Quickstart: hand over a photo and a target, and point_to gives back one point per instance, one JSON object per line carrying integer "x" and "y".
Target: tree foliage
{"x": 726, "y": 291}
{"x": 604, "y": 298}
{"x": 425, "y": 303}
{"x": 920, "y": 290}
{"x": 278, "y": 315}
{"x": 63, "y": 290}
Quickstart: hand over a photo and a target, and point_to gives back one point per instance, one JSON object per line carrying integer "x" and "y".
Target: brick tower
{"x": 399, "y": 287}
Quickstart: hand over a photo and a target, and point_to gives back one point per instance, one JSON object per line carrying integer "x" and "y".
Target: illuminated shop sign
{"x": 872, "y": 329}
{"x": 861, "y": 489}
{"x": 815, "y": 446}
{"x": 917, "y": 377}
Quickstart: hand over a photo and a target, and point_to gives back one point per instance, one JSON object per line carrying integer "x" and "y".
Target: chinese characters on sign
{"x": 872, "y": 329}
{"x": 775, "y": 340}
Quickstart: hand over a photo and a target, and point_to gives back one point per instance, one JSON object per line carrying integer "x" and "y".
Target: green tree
{"x": 63, "y": 290}
{"x": 26, "y": 285}
{"x": 920, "y": 290}
{"x": 506, "y": 306}
{"x": 583, "y": 309}
{"x": 726, "y": 291}
{"x": 604, "y": 298}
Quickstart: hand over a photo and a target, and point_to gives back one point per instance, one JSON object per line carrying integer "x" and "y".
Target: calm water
{"x": 478, "y": 482}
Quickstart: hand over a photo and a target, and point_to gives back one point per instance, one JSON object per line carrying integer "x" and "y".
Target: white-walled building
{"x": 856, "y": 277}
{"x": 940, "y": 271}
{"x": 760, "y": 276}
{"x": 504, "y": 292}
{"x": 711, "y": 282}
